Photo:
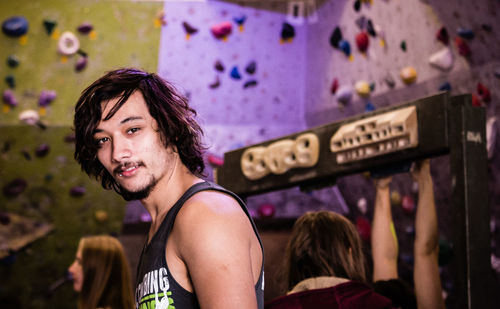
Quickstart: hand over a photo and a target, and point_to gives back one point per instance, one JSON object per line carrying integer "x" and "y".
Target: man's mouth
{"x": 127, "y": 171}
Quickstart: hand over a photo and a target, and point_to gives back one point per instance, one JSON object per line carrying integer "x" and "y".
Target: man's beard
{"x": 138, "y": 195}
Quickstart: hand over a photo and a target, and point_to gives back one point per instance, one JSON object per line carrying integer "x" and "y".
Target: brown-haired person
{"x": 427, "y": 283}
{"x": 101, "y": 274}
{"x": 325, "y": 266}
{"x": 138, "y": 136}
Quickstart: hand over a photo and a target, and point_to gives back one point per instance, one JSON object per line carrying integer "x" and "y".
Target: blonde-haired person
{"x": 101, "y": 274}
{"x": 325, "y": 266}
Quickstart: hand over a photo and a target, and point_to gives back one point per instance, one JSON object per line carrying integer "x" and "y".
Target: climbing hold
{"x": 101, "y": 215}
{"x": 215, "y": 84}
{"x": 408, "y": 75}
{"x": 15, "y": 187}
{"x": 442, "y": 59}
{"x": 68, "y": 44}
{"x": 30, "y": 117}
{"x": 336, "y": 37}
{"x": 46, "y": 97}
{"x": 81, "y": 63}
{"x": 465, "y": 33}
{"x": 407, "y": 258}
{"x": 42, "y": 150}
{"x": 345, "y": 47}
{"x": 364, "y": 228}
{"x": 235, "y": 73}
{"x": 408, "y": 204}
{"x": 389, "y": 81}
{"x": 369, "y": 107}
{"x": 410, "y": 230}
{"x": 403, "y": 46}
{"x": 12, "y": 61}
{"x": 486, "y": 27}
{"x": 11, "y": 81}
{"x": 362, "y": 41}
{"x": 362, "y": 205}
{"x": 357, "y": 5}
{"x": 85, "y": 28}
{"x": 442, "y": 36}
{"x": 16, "y": 26}
{"x": 496, "y": 72}
{"x": 395, "y": 198}
{"x": 190, "y": 30}
{"x": 250, "y": 83}
{"x": 361, "y": 22}
{"x": 372, "y": 86}
{"x": 266, "y": 210}
{"x": 240, "y": 21}
{"x": 9, "y": 98}
{"x": 370, "y": 28}
{"x": 215, "y": 161}
{"x": 476, "y": 101}
{"x": 287, "y": 32}
{"x": 344, "y": 94}
{"x": 49, "y": 25}
{"x": 221, "y": 30}
{"x": 251, "y": 67}
{"x": 219, "y": 66}
{"x": 445, "y": 87}
{"x": 70, "y": 138}
{"x": 160, "y": 19}
{"x": 484, "y": 92}
{"x": 77, "y": 191}
{"x": 362, "y": 88}
{"x": 334, "y": 86}
{"x": 463, "y": 47}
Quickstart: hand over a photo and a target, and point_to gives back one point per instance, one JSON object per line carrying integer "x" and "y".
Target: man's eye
{"x": 101, "y": 141}
{"x": 133, "y": 130}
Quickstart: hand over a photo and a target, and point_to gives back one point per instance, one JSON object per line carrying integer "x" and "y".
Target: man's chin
{"x": 135, "y": 195}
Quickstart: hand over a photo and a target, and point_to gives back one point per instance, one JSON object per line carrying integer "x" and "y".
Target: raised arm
{"x": 426, "y": 246}
{"x": 384, "y": 242}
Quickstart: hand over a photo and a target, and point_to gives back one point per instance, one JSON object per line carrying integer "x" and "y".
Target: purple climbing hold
{"x": 77, "y": 191}
{"x": 46, "y": 97}
{"x": 9, "y": 98}
{"x": 81, "y": 63}
{"x": 42, "y": 150}
{"x": 85, "y": 28}
{"x": 15, "y": 187}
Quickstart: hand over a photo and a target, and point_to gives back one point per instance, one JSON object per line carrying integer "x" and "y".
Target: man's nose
{"x": 121, "y": 149}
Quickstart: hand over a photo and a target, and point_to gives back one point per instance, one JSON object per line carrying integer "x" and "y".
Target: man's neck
{"x": 166, "y": 193}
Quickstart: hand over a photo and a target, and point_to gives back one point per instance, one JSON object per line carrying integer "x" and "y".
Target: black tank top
{"x": 156, "y": 287}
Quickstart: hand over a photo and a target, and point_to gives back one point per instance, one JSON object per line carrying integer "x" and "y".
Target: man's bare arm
{"x": 216, "y": 248}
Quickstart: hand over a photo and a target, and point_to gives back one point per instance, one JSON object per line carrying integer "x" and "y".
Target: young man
{"x": 137, "y": 136}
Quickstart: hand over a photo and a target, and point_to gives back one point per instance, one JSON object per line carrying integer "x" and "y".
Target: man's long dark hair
{"x": 171, "y": 111}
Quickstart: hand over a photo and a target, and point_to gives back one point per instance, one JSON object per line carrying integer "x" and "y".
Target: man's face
{"x": 130, "y": 147}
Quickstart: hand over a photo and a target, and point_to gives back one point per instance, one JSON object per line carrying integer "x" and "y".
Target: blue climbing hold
{"x": 345, "y": 47}
{"x": 445, "y": 87}
{"x": 15, "y": 26}
{"x": 235, "y": 73}
{"x": 369, "y": 107}
{"x": 465, "y": 33}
